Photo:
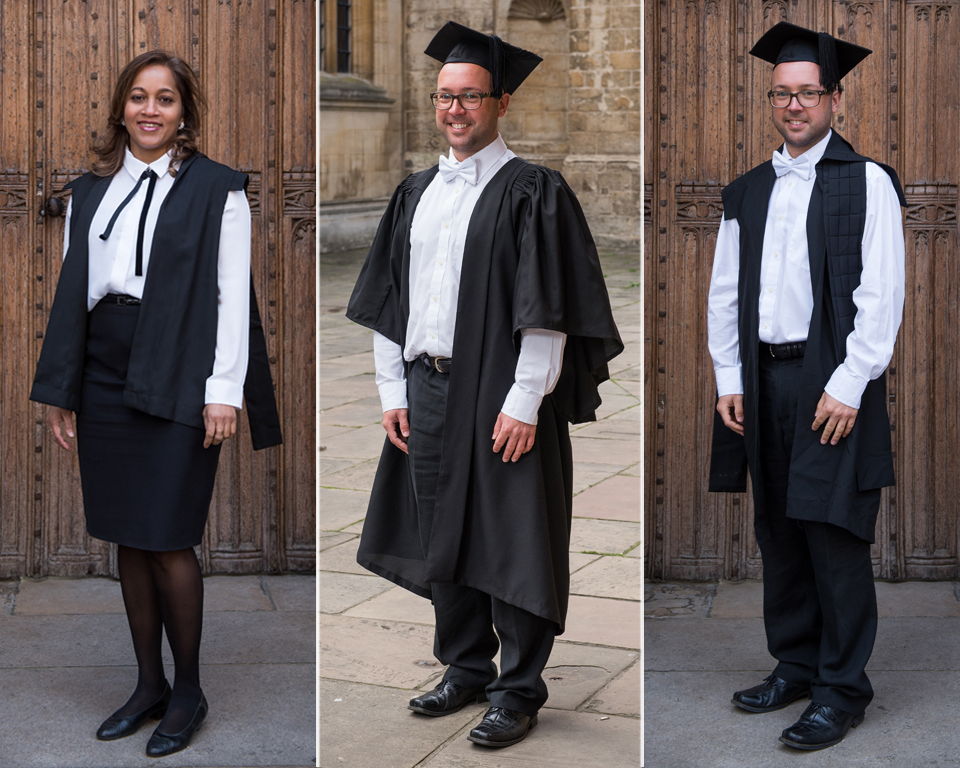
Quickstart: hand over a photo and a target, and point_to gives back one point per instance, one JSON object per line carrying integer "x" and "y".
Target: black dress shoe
{"x": 502, "y": 727}
{"x": 161, "y": 744}
{"x": 771, "y": 695}
{"x": 445, "y": 699}
{"x": 117, "y": 727}
{"x": 820, "y": 727}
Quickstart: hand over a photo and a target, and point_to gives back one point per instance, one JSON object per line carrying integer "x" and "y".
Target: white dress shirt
{"x": 786, "y": 295}
{"x": 437, "y": 239}
{"x": 112, "y": 266}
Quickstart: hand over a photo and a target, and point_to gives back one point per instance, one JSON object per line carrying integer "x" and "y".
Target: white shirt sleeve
{"x": 66, "y": 229}
{"x": 878, "y": 298}
{"x": 225, "y": 384}
{"x": 391, "y": 377}
{"x": 538, "y": 368}
{"x": 722, "y": 315}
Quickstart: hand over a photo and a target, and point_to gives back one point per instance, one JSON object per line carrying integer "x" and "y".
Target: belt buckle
{"x": 770, "y": 349}
{"x": 436, "y": 364}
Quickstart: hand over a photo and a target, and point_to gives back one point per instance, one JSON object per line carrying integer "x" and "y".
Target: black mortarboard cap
{"x": 788, "y": 42}
{"x": 508, "y": 65}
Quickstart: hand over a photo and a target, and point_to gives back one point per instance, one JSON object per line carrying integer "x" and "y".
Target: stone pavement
{"x": 705, "y": 640}
{"x": 376, "y": 639}
{"x": 66, "y": 663}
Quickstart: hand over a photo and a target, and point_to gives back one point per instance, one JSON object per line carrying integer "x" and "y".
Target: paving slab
{"x": 603, "y": 621}
{"x": 579, "y": 560}
{"x": 575, "y": 673}
{"x": 53, "y": 596}
{"x": 396, "y": 604}
{"x": 400, "y": 739}
{"x": 50, "y": 716}
{"x": 561, "y": 740}
{"x": 360, "y": 443}
{"x": 340, "y": 591}
{"x": 234, "y": 593}
{"x": 738, "y": 600}
{"x": 616, "y": 498}
{"x": 624, "y": 425}
{"x": 717, "y": 644}
{"x": 609, "y": 576}
{"x": 345, "y": 367}
{"x": 328, "y": 431}
{"x": 620, "y": 696}
{"x": 342, "y": 558}
{"x": 632, "y": 471}
{"x": 376, "y": 652}
{"x": 340, "y": 508}
{"x": 358, "y": 476}
{"x": 292, "y": 592}
{"x": 612, "y": 403}
{"x": 356, "y": 413}
{"x": 911, "y": 722}
{"x": 917, "y": 598}
{"x": 329, "y": 465}
{"x": 8, "y": 594}
{"x": 587, "y": 474}
{"x": 361, "y": 385}
{"x": 327, "y": 540}
{"x": 633, "y": 387}
{"x": 678, "y": 599}
{"x": 609, "y": 537}
{"x": 600, "y": 450}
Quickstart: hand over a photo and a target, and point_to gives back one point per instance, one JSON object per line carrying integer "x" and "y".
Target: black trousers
{"x": 466, "y": 617}
{"x": 819, "y": 599}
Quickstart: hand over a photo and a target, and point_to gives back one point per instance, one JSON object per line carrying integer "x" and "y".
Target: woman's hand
{"x": 60, "y": 421}
{"x": 221, "y": 423}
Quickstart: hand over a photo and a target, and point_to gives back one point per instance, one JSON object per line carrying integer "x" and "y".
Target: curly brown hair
{"x": 110, "y": 147}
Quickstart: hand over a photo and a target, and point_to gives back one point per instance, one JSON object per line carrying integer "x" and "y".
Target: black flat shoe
{"x": 820, "y": 727}
{"x": 162, "y": 744}
{"x": 445, "y": 699}
{"x": 502, "y": 727}
{"x": 117, "y": 727}
{"x": 771, "y": 695}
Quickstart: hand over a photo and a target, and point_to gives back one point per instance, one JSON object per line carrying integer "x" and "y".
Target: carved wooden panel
{"x": 256, "y": 65}
{"x": 707, "y": 122}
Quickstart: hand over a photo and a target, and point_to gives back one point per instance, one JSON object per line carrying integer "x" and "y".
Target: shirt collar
{"x": 136, "y": 167}
{"x": 486, "y": 158}
{"x": 815, "y": 153}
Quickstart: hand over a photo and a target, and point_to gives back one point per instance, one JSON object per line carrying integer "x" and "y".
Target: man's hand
{"x": 518, "y": 436}
{"x": 221, "y": 423}
{"x": 60, "y": 420}
{"x": 730, "y": 408}
{"x": 839, "y": 419}
{"x": 398, "y": 428}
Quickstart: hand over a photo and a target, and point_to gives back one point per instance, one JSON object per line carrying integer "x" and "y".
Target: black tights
{"x": 163, "y": 590}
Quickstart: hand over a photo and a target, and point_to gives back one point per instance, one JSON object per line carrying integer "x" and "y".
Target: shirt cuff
{"x": 393, "y": 394}
{"x": 846, "y": 387}
{"x": 221, "y": 392}
{"x": 729, "y": 380}
{"x": 522, "y": 406}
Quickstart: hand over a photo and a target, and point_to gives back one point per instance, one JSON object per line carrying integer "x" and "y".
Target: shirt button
{"x": 432, "y": 336}
{"x": 779, "y": 218}
{"x": 769, "y": 290}
{"x": 776, "y": 254}
{"x": 446, "y": 224}
{"x": 764, "y": 326}
{"x": 440, "y": 262}
{"x": 790, "y": 184}
{"x": 434, "y": 298}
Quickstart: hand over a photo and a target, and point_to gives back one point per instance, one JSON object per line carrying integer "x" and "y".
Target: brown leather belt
{"x": 439, "y": 364}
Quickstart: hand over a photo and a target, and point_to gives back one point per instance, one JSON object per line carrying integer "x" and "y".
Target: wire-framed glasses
{"x": 468, "y": 100}
{"x": 782, "y": 99}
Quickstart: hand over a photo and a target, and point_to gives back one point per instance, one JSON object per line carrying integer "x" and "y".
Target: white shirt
{"x": 437, "y": 239}
{"x": 112, "y": 266}
{"x": 786, "y": 295}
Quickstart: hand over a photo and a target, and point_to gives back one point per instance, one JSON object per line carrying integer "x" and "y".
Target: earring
{"x": 123, "y": 123}
{"x": 181, "y": 125}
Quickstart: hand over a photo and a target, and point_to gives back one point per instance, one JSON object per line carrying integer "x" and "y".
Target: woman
{"x": 148, "y": 342}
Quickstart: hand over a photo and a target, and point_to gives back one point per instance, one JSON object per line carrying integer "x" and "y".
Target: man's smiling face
{"x": 802, "y": 127}
{"x": 468, "y": 130}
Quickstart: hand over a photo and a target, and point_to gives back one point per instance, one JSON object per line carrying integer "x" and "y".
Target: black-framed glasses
{"x": 468, "y": 100}
{"x": 782, "y": 99}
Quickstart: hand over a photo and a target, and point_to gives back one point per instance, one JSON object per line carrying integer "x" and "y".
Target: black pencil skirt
{"x": 147, "y": 482}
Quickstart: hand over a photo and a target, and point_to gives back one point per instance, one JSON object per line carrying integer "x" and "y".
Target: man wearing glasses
{"x": 492, "y": 331}
{"x": 805, "y": 303}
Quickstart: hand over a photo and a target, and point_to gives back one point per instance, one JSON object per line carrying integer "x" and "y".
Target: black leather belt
{"x": 121, "y": 299}
{"x": 783, "y": 351}
{"x": 439, "y": 364}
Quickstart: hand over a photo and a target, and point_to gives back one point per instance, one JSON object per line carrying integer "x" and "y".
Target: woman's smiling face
{"x": 152, "y": 113}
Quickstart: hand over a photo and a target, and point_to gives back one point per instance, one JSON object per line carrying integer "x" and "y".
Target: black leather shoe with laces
{"x": 820, "y": 727}
{"x": 771, "y": 695}
{"x": 445, "y": 699}
{"x": 502, "y": 727}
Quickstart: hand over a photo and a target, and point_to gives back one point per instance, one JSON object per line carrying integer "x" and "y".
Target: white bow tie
{"x": 802, "y": 166}
{"x": 450, "y": 169}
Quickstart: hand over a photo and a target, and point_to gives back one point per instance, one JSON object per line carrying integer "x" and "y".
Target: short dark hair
{"x": 110, "y": 147}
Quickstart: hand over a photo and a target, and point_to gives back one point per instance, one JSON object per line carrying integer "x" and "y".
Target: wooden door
{"x": 256, "y": 64}
{"x": 706, "y": 123}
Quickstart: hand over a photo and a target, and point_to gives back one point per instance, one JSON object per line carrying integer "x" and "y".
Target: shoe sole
{"x": 761, "y": 710}
{"x": 481, "y": 699}
{"x": 812, "y": 747}
{"x": 487, "y": 743}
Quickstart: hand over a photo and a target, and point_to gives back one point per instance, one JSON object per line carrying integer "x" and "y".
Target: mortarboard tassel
{"x": 829, "y": 69}
{"x": 497, "y": 66}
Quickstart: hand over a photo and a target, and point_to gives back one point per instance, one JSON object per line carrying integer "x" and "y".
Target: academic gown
{"x": 837, "y": 484}
{"x": 529, "y": 262}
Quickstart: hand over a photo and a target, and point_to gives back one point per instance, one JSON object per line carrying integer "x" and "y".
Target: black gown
{"x": 529, "y": 262}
